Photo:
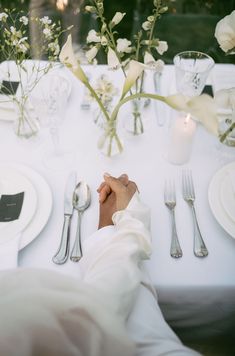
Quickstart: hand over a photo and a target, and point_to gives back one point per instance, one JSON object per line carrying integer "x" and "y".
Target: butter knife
{"x": 62, "y": 254}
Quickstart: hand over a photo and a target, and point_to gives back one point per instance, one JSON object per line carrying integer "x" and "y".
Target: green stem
{"x": 132, "y": 97}
{"x": 227, "y": 132}
{"x": 102, "y": 108}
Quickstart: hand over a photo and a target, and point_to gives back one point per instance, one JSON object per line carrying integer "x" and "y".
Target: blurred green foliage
{"x": 188, "y": 25}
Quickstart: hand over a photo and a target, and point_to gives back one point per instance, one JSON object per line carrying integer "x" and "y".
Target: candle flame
{"x": 61, "y": 4}
{"x": 186, "y": 120}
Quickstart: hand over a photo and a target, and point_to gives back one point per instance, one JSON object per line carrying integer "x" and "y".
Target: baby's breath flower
{"x": 45, "y": 20}
{"x": 54, "y": 47}
{"x": 24, "y": 20}
{"x": 146, "y": 25}
{"x": 123, "y": 45}
{"x": 47, "y": 32}
{"x": 3, "y": 16}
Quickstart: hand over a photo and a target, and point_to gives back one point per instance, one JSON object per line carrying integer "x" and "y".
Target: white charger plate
{"x": 13, "y": 182}
{"x": 227, "y": 196}
{"x": 44, "y": 204}
{"x": 214, "y": 197}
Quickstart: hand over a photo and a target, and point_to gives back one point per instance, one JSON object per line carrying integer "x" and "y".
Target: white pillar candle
{"x": 181, "y": 139}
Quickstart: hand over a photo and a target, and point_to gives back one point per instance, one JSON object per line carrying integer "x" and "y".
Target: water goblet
{"x": 49, "y": 98}
{"x": 191, "y": 71}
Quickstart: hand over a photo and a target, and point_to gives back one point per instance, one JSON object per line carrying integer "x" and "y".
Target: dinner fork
{"x": 170, "y": 202}
{"x": 199, "y": 248}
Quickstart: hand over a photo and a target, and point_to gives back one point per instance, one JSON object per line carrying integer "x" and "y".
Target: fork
{"x": 170, "y": 202}
{"x": 199, "y": 247}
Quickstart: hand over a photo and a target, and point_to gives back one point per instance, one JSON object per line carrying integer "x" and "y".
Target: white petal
{"x": 135, "y": 70}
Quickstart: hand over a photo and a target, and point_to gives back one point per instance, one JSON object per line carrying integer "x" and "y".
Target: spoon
{"x": 81, "y": 201}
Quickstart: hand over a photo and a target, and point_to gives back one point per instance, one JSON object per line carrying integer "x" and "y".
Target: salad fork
{"x": 170, "y": 202}
{"x": 199, "y": 248}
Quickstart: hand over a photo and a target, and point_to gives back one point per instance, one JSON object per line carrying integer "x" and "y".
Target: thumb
{"x": 114, "y": 183}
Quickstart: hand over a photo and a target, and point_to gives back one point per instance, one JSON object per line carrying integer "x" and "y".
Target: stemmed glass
{"x": 191, "y": 71}
{"x": 49, "y": 99}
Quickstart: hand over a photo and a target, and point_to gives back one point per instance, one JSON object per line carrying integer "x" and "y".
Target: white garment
{"x": 46, "y": 313}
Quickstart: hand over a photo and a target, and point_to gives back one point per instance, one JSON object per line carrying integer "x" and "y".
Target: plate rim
{"x": 26, "y": 237}
{"x": 223, "y": 184}
{"x": 214, "y": 199}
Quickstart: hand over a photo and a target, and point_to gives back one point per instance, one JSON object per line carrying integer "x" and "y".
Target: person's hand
{"x": 114, "y": 195}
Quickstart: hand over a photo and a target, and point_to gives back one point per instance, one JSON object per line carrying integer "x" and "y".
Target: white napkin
{"x": 9, "y": 253}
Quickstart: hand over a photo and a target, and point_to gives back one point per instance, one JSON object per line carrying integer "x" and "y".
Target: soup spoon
{"x": 81, "y": 201}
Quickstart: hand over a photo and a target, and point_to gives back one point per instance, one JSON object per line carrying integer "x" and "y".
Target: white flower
{"x": 92, "y": 37}
{"x": 225, "y": 98}
{"x": 45, "y": 20}
{"x": 90, "y": 8}
{"x": 22, "y": 47}
{"x": 135, "y": 70}
{"x": 104, "y": 41}
{"x": 150, "y": 62}
{"x": 13, "y": 30}
{"x": 3, "y": 16}
{"x": 162, "y": 47}
{"x": 225, "y": 32}
{"x": 91, "y": 53}
{"x": 47, "y": 32}
{"x": 118, "y": 17}
{"x": 24, "y": 20}
{"x": 112, "y": 59}
{"x": 54, "y": 47}
{"x": 201, "y": 107}
{"x": 123, "y": 45}
{"x": 68, "y": 58}
{"x": 146, "y": 25}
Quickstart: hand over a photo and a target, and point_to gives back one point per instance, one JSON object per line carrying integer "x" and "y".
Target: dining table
{"x": 196, "y": 295}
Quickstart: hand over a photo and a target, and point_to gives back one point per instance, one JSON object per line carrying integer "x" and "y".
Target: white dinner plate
{"x": 13, "y": 182}
{"x": 215, "y": 202}
{"x": 44, "y": 204}
{"x": 227, "y": 196}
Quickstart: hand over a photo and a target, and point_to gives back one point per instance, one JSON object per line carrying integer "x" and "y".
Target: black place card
{"x": 10, "y": 207}
{"x": 8, "y": 87}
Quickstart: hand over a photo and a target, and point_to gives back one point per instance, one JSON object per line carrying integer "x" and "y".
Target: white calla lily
{"x": 118, "y": 18}
{"x": 135, "y": 70}
{"x": 68, "y": 58}
{"x": 91, "y": 53}
{"x": 202, "y": 108}
{"x": 112, "y": 59}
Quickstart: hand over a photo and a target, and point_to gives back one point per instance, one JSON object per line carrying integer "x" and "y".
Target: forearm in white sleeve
{"x": 112, "y": 256}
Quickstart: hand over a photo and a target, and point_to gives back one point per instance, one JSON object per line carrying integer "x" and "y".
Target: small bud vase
{"x": 109, "y": 142}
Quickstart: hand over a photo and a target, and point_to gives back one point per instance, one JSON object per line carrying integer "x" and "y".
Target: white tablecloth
{"x": 197, "y": 296}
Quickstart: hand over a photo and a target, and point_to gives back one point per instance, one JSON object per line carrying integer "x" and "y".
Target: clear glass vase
{"x": 109, "y": 142}
{"x": 26, "y": 123}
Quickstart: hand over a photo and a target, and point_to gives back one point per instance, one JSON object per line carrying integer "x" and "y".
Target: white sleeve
{"x": 112, "y": 256}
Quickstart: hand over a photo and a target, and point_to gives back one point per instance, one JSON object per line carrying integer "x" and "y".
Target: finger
{"x": 101, "y": 186}
{"x": 115, "y": 184}
{"x": 105, "y": 191}
{"x": 132, "y": 185}
{"x": 124, "y": 179}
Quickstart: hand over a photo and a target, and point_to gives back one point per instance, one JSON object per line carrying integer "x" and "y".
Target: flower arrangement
{"x": 120, "y": 51}
{"x": 202, "y": 107}
{"x": 15, "y": 51}
{"x": 225, "y": 35}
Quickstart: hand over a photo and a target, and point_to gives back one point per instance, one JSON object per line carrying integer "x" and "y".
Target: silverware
{"x": 63, "y": 251}
{"x": 170, "y": 202}
{"x": 199, "y": 248}
{"x": 81, "y": 201}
